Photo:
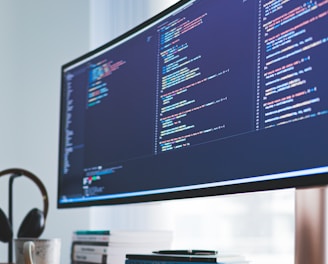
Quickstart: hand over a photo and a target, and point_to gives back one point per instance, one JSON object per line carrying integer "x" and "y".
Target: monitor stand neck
{"x": 311, "y": 223}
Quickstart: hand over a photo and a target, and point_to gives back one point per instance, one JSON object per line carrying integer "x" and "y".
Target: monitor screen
{"x": 206, "y": 98}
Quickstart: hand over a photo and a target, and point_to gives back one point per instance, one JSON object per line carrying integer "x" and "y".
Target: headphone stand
{"x": 10, "y": 213}
{"x": 34, "y": 222}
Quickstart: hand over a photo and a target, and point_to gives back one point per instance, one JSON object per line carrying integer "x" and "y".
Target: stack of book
{"x": 111, "y": 247}
{"x": 185, "y": 257}
{"x": 90, "y": 246}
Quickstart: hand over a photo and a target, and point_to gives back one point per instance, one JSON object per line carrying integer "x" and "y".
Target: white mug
{"x": 37, "y": 251}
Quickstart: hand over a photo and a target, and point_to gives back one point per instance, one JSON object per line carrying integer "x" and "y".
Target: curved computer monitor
{"x": 206, "y": 98}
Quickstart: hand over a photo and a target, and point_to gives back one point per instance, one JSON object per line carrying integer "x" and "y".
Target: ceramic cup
{"x": 37, "y": 251}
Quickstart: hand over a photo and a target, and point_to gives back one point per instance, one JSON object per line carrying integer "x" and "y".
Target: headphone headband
{"x": 35, "y": 179}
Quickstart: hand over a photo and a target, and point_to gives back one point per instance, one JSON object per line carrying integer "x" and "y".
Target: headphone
{"x": 34, "y": 222}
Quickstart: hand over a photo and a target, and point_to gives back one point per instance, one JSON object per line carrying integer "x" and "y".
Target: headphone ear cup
{"x": 6, "y": 232}
{"x": 32, "y": 225}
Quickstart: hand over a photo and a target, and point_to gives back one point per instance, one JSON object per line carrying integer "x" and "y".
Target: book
{"x": 93, "y": 248}
{"x": 89, "y": 258}
{"x": 91, "y": 235}
{"x": 174, "y": 257}
{"x": 92, "y": 232}
{"x": 183, "y": 259}
{"x": 236, "y": 261}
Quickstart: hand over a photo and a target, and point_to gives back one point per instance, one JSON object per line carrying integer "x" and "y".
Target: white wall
{"x": 37, "y": 37}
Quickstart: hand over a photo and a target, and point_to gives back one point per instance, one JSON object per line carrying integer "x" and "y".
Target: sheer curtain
{"x": 257, "y": 225}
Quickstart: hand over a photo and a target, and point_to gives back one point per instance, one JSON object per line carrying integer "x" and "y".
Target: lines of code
{"x": 181, "y": 111}
{"x": 98, "y": 87}
{"x": 73, "y": 142}
{"x": 69, "y": 132}
{"x": 292, "y": 42}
